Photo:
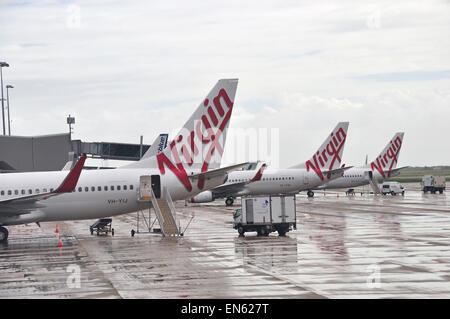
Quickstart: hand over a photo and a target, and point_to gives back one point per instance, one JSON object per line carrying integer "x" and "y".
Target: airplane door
{"x": 144, "y": 189}
{"x": 156, "y": 185}
{"x": 368, "y": 175}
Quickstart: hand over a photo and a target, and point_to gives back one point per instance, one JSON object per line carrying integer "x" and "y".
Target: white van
{"x": 392, "y": 188}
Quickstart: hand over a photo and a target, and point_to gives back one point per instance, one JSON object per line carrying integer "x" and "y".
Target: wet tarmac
{"x": 344, "y": 247}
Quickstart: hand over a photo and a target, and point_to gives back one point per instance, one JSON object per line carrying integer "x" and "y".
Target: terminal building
{"x": 52, "y": 152}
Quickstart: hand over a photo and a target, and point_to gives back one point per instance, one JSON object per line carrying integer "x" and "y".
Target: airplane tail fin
{"x": 388, "y": 158}
{"x": 157, "y": 146}
{"x": 200, "y": 143}
{"x": 329, "y": 155}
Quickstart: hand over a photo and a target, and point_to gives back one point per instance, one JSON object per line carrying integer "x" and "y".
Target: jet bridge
{"x": 115, "y": 151}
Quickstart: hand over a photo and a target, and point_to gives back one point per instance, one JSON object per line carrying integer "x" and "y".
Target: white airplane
{"x": 189, "y": 166}
{"x": 321, "y": 168}
{"x": 382, "y": 167}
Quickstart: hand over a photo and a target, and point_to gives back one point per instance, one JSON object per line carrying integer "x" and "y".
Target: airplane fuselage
{"x": 99, "y": 193}
{"x": 276, "y": 181}
{"x": 353, "y": 177}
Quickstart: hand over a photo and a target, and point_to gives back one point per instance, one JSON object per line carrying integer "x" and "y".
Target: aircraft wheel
{"x": 241, "y": 231}
{"x": 310, "y": 194}
{"x": 3, "y": 235}
{"x": 262, "y": 232}
{"x": 229, "y": 201}
{"x": 282, "y": 232}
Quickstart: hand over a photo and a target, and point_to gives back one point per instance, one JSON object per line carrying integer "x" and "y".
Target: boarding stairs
{"x": 165, "y": 213}
{"x": 373, "y": 183}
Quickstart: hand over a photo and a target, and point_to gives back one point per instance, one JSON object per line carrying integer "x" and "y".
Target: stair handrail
{"x": 157, "y": 211}
{"x": 169, "y": 200}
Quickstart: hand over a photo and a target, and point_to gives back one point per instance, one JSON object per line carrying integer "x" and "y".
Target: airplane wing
{"x": 239, "y": 186}
{"x": 25, "y": 204}
{"x": 394, "y": 172}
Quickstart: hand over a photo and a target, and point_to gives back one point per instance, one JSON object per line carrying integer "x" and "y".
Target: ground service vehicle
{"x": 102, "y": 226}
{"x": 392, "y": 188}
{"x": 266, "y": 214}
{"x": 433, "y": 184}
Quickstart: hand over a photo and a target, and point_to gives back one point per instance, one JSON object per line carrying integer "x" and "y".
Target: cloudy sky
{"x": 131, "y": 68}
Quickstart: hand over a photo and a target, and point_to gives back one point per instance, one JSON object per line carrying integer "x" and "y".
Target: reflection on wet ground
{"x": 344, "y": 247}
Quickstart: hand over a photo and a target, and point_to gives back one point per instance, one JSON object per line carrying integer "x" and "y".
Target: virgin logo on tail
{"x": 190, "y": 145}
{"x": 328, "y": 155}
{"x": 389, "y": 158}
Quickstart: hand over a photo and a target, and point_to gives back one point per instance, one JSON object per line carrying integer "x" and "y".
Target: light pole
{"x": 2, "y": 65}
{"x": 70, "y": 121}
{"x": 8, "y": 86}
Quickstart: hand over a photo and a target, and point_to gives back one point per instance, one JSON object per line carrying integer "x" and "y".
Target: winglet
{"x": 71, "y": 180}
{"x": 259, "y": 173}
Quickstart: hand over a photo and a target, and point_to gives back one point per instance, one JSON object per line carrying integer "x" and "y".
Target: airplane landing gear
{"x": 310, "y": 194}
{"x": 229, "y": 201}
{"x": 3, "y": 235}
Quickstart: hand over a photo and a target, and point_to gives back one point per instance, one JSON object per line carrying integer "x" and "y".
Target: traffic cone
{"x": 60, "y": 242}
{"x": 57, "y": 230}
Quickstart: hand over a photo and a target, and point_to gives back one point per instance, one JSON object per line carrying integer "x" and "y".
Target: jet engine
{"x": 203, "y": 197}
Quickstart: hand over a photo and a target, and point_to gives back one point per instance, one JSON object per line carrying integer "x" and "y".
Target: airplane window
{"x": 51, "y": 190}
{"x": 86, "y": 189}
{"x": 112, "y": 188}
{"x": 9, "y": 193}
{"x": 118, "y": 187}
{"x": 93, "y": 188}
{"x": 105, "y": 188}
{"x": 99, "y": 188}
{"x": 124, "y": 187}
{"x": 80, "y": 189}
{"x": 23, "y": 192}
{"x": 37, "y": 190}
{"x": 16, "y": 192}
{"x": 44, "y": 190}
{"x": 131, "y": 187}
{"x": 2, "y": 193}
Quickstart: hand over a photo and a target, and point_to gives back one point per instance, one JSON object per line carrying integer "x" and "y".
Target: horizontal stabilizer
{"x": 219, "y": 171}
{"x": 394, "y": 172}
{"x": 336, "y": 172}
